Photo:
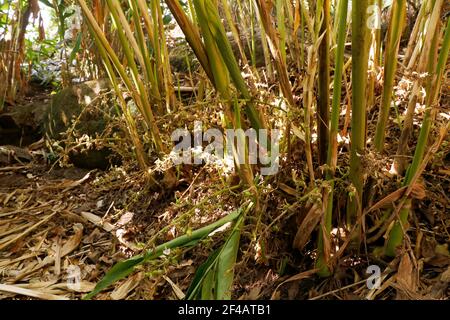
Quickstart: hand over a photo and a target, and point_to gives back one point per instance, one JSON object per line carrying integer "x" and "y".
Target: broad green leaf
{"x": 118, "y": 272}
{"x": 214, "y": 279}
{"x": 225, "y": 265}
{"x": 208, "y": 286}
{"x": 203, "y": 272}
{"x": 124, "y": 268}
{"x": 76, "y": 48}
{"x": 47, "y": 3}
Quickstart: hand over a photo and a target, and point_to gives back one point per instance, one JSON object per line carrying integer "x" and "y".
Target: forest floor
{"x": 58, "y": 224}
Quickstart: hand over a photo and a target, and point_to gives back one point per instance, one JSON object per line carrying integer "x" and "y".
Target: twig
{"x": 6, "y": 169}
{"x": 338, "y": 290}
{"x": 23, "y": 234}
{"x": 30, "y": 293}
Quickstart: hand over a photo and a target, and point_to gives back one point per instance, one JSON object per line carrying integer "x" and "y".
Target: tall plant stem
{"x": 360, "y": 55}
{"x": 400, "y": 162}
{"x": 374, "y": 58}
{"x": 192, "y": 35}
{"x": 274, "y": 44}
{"x": 134, "y": 85}
{"x": 322, "y": 261}
{"x": 433, "y": 89}
{"x": 308, "y": 86}
{"x": 323, "y": 101}
{"x": 398, "y": 14}
{"x": 415, "y": 32}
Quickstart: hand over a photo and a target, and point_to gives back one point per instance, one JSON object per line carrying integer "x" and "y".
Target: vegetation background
{"x": 91, "y": 205}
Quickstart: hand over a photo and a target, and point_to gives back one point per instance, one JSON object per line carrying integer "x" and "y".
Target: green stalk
{"x": 433, "y": 89}
{"x": 395, "y": 31}
{"x": 302, "y": 35}
{"x": 426, "y": 39}
{"x": 264, "y": 40}
{"x": 127, "y": 38}
{"x": 191, "y": 11}
{"x": 164, "y": 62}
{"x": 192, "y": 35}
{"x": 415, "y": 32}
{"x": 134, "y": 85}
{"x": 125, "y": 268}
{"x": 322, "y": 260}
{"x": 281, "y": 27}
{"x": 101, "y": 40}
{"x": 156, "y": 42}
{"x": 234, "y": 31}
{"x": 292, "y": 40}
{"x": 420, "y": 33}
{"x": 148, "y": 67}
{"x": 159, "y": 70}
{"x": 219, "y": 71}
{"x": 374, "y": 61}
{"x": 323, "y": 100}
{"x": 224, "y": 66}
{"x": 308, "y": 85}
{"x": 222, "y": 61}
{"x": 274, "y": 44}
{"x": 131, "y": 124}
{"x": 360, "y": 55}
{"x": 252, "y": 43}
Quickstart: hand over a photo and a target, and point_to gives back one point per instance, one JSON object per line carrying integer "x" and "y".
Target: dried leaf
{"x": 29, "y": 230}
{"x": 389, "y": 200}
{"x": 123, "y": 291}
{"x": 407, "y": 276}
{"x": 79, "y": 287}
{"x": 74, "y": 241}
{"x": 302, "y": 276}
{"x": 307, "y": 227}
{"x": 445, "y": 276}
{"x": 30, "y": 293}
{"x": 418, "y": 191}
{"x": 288, "y": 190}
{"x": 73, "y": 184}
{"x": 178, "y": 292}
{"x": 125, "y": 219}
{"x": 108, "y": 227}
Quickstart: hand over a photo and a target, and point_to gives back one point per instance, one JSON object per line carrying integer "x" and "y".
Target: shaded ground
{"x": 56, "y": 223}
{"x": 60, "y": 224}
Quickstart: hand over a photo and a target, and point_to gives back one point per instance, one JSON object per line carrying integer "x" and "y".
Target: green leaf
{"x": 124, "y": 268}
{"x": 225, "y": 266}
{"x": 199, "y": 280}
{"x": 76, "y": 48}
{"x": 167, "y": 19}
{"x": 68, "y": 14}
{"x": 214, "y": 279}
{"x": 118, "y": 272}
{"x": 208, "y": 286}
{"x": 47, "y": 3}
